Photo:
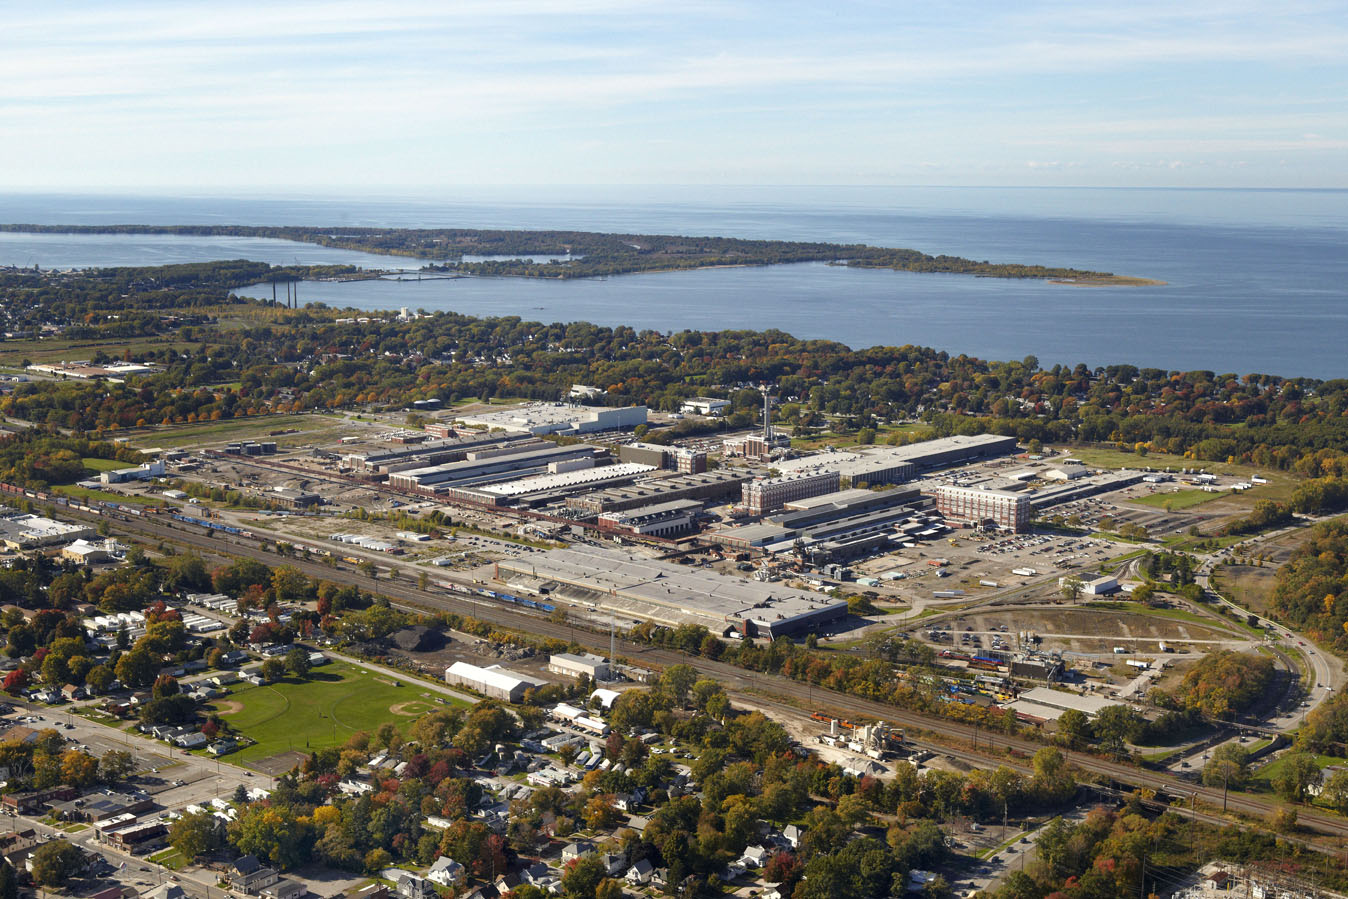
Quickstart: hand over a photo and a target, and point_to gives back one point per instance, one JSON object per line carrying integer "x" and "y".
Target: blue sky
{"x": 371, "y": 96}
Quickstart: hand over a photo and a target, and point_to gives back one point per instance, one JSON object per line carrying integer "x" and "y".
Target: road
{"x": 735, "y": 680}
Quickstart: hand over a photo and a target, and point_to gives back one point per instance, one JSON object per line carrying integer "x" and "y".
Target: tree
{"x": 116, "y": 765}
{"x": 1335, "y": 791}
{"x": 137, "y": 668}
{"x": 273, "y": 669}
{"x": 609, "y": 889}
{"x": 99, "y": 679}
{"x": 78, "y": 769}
{"x": 55, "y": 862}
{"x": 297, "y": 662}
{"x": 1228, "y": 767}
{"x": 164, "y": 685}
{"x": 194, "y": 834}
{"x": 1074, "y": 729}
{"x": 1299, "y": 773}
{"x": 9, "y": 881}
{"x": 1071, "y": 589}
{"x": 582, "y": 876}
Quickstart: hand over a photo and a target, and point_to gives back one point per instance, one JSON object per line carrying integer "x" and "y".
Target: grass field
{"x": 1178, "y": 500}
{"x": 336, "y": 701}
{"x": 257, "y": 426}
{"x": 86, "y": 494}
{"x": 1264, "y": 776}
{"x": 93, "y": 464}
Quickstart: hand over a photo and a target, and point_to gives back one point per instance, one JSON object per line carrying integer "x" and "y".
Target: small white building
{"x": 569, "y": 664}
{"x": 704, "y": 405}
{"x": 495, "y": 682}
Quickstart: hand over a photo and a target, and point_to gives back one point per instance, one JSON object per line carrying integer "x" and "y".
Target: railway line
{"x": 802, "y": 696}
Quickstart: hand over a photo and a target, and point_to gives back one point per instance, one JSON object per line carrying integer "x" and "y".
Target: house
{"x": 222, "y": 747}
{"x": 285, "y": 888}
{"x": 754, "y": 857}
{"x": 192, "y": 741}
{"x": 614, "y": 864}
{"x": 792, "y": 834}
{"x": 414, "y": 886}
{"x": 72, "y": 692}
{"x": 163, "y": 891}
{"x": 641, "y": 873}
{"x": 446, "y": 872}
{"x": 1218, "y": 881}
{"x": 248, "y": 875}
{"x": 539, "y": 873}
{"x": 578, "y": 849}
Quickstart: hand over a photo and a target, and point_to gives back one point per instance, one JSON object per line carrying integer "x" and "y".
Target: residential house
{"x": 641, "y": 873}
{"x": 248, "y": 875}
{"x": 73, "y": 692}
{"x": 414, "y": 886}
{"x": 754, "y": 857}
{"x": 446, "y": 872}
{"x": 578, "y": 849}
{"x": 793, "y": 834}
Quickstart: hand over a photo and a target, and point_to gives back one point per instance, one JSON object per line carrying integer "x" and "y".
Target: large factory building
{"x": 975, "y": 506}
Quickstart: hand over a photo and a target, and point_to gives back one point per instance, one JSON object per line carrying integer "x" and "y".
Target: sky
{"x": 423, "y": 95}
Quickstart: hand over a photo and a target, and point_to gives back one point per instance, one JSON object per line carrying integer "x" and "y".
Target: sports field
{"x": 333, "y": 703}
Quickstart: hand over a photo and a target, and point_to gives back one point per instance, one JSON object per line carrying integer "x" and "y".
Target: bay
{"x": 1256, "y": 279}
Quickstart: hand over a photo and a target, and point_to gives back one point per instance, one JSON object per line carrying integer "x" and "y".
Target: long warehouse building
{"x": 633, "y": 586}
{"x": 474, "y": 472}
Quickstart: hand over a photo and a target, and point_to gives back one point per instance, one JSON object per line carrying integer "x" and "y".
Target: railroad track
{"x": 805, "y": 696}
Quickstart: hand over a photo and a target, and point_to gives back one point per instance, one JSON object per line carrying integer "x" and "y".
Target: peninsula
{"x": 586, "y": 254}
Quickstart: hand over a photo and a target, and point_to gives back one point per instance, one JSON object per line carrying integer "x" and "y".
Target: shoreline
{"x": 1111, "y": 281}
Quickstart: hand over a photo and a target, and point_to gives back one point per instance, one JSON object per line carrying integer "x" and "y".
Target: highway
{"x": 805, "y": 697}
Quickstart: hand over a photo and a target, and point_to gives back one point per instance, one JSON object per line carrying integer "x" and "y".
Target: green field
{"x": 1264, "y": 776}
{"x": 86, "y": 494}
{"x": 93, "y": 464}
{"x": 240, "y": 428}
{"x": 336, "y": 701}
{"x": 1178, "y": 500}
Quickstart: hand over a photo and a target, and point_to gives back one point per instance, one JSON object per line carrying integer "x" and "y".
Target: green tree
{"x": 1071, "y": 589}
{"x": 582, "y": 876}
{"x": 116, "y": 765}
{"x": 1334, "y": 791}
{"x": 1074, "y": 729}
{"x": 9, "y": 881}
{"x": 1228, "y": 767}
{"x": 55, "y": 862}
{"x": 1299, "y": 773}
{"x": 195, "y": 834}
{"x": 297, "y": 662}
{"x": 273, "y": 669}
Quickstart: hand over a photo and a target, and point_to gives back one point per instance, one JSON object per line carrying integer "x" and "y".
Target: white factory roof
{"x": 692, "y": 590}
{"x": 39, "y": 528}
{"x": 495, "y": 676}
{"x": 533, "y": 415}
{"x": 565, "y": 479}
{"x": 1061, "y": 699}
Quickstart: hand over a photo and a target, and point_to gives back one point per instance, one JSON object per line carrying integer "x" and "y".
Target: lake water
{"x": 1257, "y": 280}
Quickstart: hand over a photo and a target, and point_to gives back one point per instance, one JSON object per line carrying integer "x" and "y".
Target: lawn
{"x": 1264, "y": 776}
{"x": 253, "y": 427}
{"x": 1178, "y": 500}
{"x": 335, "y": 701}
{"x": 93, "y": 464}
{"x": 86, "y": 494}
